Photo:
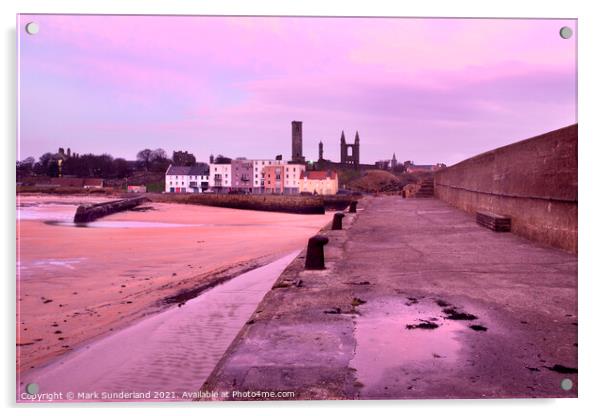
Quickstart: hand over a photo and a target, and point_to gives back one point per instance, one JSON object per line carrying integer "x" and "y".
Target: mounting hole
{"x": 566, "y": 384}
{"x": 32, "y": 388}
{"x": 566, "y": 32}
{"x": 32, "y": 28}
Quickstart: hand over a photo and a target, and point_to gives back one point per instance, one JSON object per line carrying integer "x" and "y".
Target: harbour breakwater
{"x": 89, "y": 213}
{"x": 295, "y": 204}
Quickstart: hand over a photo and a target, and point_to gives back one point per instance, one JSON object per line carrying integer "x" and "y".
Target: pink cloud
{"x": 426, "y": 86}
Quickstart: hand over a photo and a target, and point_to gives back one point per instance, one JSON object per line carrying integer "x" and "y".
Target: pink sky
{"x": 430, "y": 90}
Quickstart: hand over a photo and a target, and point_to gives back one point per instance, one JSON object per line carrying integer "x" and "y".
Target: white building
{"x": 292, "y": 177}
{"x": 220, "y": 177}
{"x": 182, "y": 179}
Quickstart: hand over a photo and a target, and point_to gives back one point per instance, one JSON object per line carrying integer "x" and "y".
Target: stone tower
{"x": 297, "y": 141}
{"x": 320, "y": 151}
{"x": 343, "y": 147}
{"x": 350, "y": 153}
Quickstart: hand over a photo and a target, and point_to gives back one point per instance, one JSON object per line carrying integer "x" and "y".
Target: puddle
{"x": 401, "y": 334}
{"x": 173, "y": 351}
{"x": 46, "y": 212}
{"x": 49, "y": 263}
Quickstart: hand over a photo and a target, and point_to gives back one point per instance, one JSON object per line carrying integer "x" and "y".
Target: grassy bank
{"x": 63, "y": 190}
{"x": 279, "y": 203}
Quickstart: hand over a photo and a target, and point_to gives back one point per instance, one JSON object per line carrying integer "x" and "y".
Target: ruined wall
{"x": 534, "y": 181}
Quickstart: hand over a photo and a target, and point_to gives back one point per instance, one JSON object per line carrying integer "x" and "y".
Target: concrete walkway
{"x": 417, "y": 301}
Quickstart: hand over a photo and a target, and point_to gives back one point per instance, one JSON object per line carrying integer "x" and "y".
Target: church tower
{"x": 350, "y": 153}
{"x": 297, "y": 142}
{"x": 343, "y": 147}
{"x": 320, "y": 151}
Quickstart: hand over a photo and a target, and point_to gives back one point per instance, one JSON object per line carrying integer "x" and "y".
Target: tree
{"x": 121, "y": 167}
{"x": 25, "y": 167}
{"x": 159, "y": 161}
{"x": 181, "y": 158}
{"x": 145, "y": 157}
{"x": 222, "y": 160}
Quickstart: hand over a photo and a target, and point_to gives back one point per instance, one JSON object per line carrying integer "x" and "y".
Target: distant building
{"x": 350, "y": 153}
{"x": 282, "y": 178}
{"x": 297, "y": 142}
{"x": 259, "y": 174}
{"x": 390, "y": 164}
{"x": 412, "y": 168}
{"x": 93, "y": 183}
{"x": 183, "y": 179}
{"x": 319, "y": 182}
{"x": 137, "y": 189}
{"x": 87, "y": 183}
{"x": 382, "y": 164}
{"x": 220, "y": 177}
{"x": 242, "y": 175}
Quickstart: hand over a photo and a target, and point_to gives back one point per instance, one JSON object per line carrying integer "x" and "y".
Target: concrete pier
{"x": 89, "y": 213}
{"x": 416, "y": 301}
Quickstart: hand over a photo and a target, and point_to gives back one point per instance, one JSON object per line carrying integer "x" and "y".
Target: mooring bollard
{"x": 337, "y": 221}
{"x": 353, "y": 207}
{"x": 314, "y": 258}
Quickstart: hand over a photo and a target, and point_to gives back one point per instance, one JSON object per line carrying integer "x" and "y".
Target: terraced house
{"x": 283, "y": 179}
{"x": 319, "y": 182}
{"x": 182, "y": 179}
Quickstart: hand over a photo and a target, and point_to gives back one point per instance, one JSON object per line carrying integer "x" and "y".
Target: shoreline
{"x": 217, "y": 278}
{"x": 171, "y": 351}
{"x": 194, "y": 287}
{"x": 80, "y": 283}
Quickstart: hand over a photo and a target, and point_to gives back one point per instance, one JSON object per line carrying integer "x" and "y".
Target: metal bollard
{"x": 353, "y": 207}
{"x": 314, "y": 258}
{"x": 337, "y": 221}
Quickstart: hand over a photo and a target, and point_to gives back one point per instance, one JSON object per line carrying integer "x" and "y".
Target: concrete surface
{"x": 534, "y": 181}
{"x": 355, "y": 330}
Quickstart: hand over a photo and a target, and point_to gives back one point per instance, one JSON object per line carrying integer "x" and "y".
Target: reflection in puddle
{"x": 173, "y": 351}
{"x": 394, "y": 334}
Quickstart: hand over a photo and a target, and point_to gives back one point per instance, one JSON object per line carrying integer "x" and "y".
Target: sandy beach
{"x": 78, "y": 283}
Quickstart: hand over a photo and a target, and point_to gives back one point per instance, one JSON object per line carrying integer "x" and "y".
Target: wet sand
{"x": 78, "y": 283}
{"x": 166, "y": 356}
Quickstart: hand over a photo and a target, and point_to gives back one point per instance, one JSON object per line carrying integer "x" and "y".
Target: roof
{"x": 201, "y": 170}
{"x": 93, "y": 182}
{"x": 196, "y": 170}
{"x": 319, "y": 174}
